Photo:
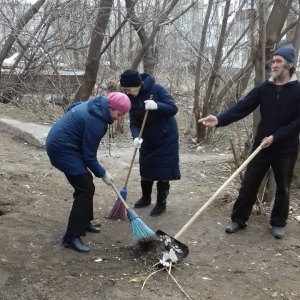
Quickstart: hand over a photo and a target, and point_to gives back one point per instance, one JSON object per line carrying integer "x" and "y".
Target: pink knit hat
{"x": 119, "y": 101}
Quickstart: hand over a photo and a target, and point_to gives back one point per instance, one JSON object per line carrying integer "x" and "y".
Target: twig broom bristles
{"x": 141, "y": 232}
{"x": 118, "y": 210}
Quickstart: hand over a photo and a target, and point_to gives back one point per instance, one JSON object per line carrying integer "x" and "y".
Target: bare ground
{"x": 35, "y": 201}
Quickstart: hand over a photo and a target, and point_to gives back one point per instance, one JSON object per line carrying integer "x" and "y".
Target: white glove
{"x": 150, "y": 105}
{"x": 137, "y": 143}
{"x": 107, "y": 178}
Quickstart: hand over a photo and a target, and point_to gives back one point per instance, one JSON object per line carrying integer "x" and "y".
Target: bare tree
{"x": 159, "y": 34}
{"x": 12, "y": 37}
{"x": 147, "y": 39}
{"x": 214, "y": 71}
{"x": 270, "y": 32}
{"x": 199, "y": 68}
{"x": 92, "y": 65}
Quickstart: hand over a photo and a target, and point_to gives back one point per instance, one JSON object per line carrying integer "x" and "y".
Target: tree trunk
{"x": 214, "y": 72}
{"x": 199, "y": 68}
{"x": 92, "y": 65}
{"x": 297, "y": 38}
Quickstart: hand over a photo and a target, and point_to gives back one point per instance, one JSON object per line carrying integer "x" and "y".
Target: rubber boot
{"x": 145, "y": 200}
{"x": 163, "y": 189}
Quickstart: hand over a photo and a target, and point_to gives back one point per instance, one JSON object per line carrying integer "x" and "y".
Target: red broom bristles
{"x": 118, "y": 212}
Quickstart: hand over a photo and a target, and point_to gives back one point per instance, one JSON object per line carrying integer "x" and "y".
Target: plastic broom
{"x": 141, "y": 232}
{"x": 118, "y": 210}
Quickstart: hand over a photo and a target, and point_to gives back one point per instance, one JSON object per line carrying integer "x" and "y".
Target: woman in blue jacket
{"x": 159, "y": 145}
{"x": 72, "y": 145}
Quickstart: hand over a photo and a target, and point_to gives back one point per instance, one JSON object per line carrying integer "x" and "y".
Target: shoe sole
{"x": 278, "y": 237}
{"x": 92, "y": 231}
{"x": 228, "y": 230}
{"x": 141, "y": 206}
{"x": 157, "y": 215}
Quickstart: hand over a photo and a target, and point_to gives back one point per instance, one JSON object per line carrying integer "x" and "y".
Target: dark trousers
{"x": 283, "y": 167}
{"x": 82, "y": 208}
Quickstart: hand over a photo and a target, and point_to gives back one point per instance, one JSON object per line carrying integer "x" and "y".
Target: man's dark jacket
{"x": 279, "y": 110}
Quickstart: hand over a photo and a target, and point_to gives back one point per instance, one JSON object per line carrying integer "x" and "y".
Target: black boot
{"x": 145, "y": 200}
{"x": 75, "y": 243}
{"x": 92, "y": 228}
{"x": 162, "y": 194}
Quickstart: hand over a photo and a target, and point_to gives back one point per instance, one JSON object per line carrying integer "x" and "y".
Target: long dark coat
{"x": 159, "y": 153}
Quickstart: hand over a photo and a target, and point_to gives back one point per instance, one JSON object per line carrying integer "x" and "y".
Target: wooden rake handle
{"x": 213, "y": 197}
{"x": 135, "y": 150}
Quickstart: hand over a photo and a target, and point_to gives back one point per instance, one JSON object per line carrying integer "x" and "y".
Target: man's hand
{"x": 107, "y": 178}
{"x": 150, "y": 105}
{"x": 209, "y": 121}
{"x": 137, "y": 143}
{"x": 267, "y": 141}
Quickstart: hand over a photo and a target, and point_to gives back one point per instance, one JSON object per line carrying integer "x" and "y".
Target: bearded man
{"x": 277, "y": 133}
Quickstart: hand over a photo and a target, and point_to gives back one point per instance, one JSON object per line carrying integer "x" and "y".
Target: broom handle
{"x": 242, "y": 166}
{"x": 135, "y": 150}
{"x": 119, "y": 195}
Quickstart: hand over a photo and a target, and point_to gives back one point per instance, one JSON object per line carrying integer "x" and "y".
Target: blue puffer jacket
{"x": 74, "y": 139}
{"x": 159, "y": 154}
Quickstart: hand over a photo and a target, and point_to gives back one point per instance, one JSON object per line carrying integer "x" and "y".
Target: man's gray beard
{"x": 280, "y": 75}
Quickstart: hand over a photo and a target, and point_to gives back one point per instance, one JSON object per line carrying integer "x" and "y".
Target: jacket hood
{"x": 293, "y": 78}
{"x": 99, "y": 108}
{"x": 148, "y": 82}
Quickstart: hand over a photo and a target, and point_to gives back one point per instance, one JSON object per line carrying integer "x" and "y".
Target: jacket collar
{"x": 293, "y": 78}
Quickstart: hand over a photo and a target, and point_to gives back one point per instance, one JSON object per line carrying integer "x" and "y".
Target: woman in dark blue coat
{"x": 72, "y": 145}
{"x": 159, "y": 145}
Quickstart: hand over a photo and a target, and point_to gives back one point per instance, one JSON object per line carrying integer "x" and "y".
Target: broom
{"x": 141, "y": 232}
{"x": 118, "y": 210}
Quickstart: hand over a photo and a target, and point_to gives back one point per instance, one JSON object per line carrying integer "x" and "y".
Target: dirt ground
{"x": 35, "y": 201}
